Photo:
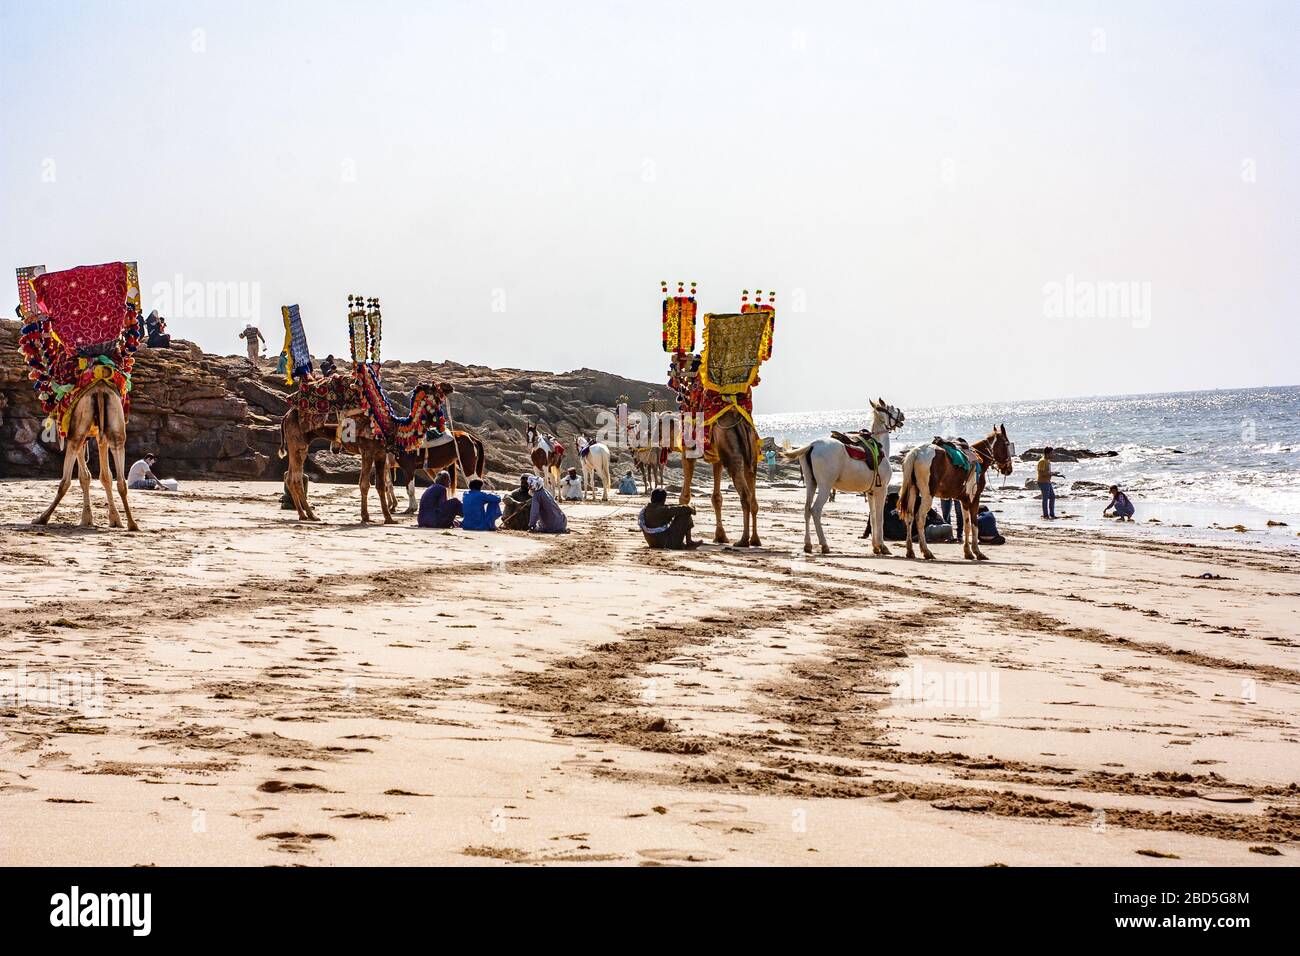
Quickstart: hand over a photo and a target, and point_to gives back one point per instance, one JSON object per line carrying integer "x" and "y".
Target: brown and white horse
{"x": 929, "y": 473}
{"x": 547, "y": 456}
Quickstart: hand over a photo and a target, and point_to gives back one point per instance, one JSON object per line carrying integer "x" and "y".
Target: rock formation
{"x": 212, "y": 416}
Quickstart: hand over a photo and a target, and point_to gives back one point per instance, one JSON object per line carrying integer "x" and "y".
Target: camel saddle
{"x": 861, "y": 447}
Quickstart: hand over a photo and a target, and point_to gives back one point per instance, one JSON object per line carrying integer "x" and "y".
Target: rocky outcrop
{"x": 211, "y": 416}
{"x": 1067, "y": 454}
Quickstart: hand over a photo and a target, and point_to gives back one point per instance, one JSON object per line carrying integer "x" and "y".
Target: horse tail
{"x": 797, "y": 453}
{"x": 480, "y": 455}
{"x": 908, "y": 487}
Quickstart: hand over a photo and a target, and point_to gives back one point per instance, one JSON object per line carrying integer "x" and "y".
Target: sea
{"x": 1198, "y": 466}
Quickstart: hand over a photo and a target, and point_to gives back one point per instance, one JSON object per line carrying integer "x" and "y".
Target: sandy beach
{"x": 249, "y": 690}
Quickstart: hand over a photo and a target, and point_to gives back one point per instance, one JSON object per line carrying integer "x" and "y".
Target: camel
{"x": 98, "y": 413}
{"x": 828, "y": 466}
{"x": 594, "y": 456}
{"x": 732, "y": 444}
{"x": 928, "y": 472}
{"x": 466, "y": 453}
{"x": 649, "y": 462}
{"x": 547, "y": 456}
{"x": 354, "y": 437}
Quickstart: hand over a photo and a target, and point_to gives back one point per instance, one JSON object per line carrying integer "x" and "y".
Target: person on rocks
{"x": 155, "y": 327}
{"x": 253, "y": 340}
{"x": 437, "y": 509}
{"x": 327, "y": 366}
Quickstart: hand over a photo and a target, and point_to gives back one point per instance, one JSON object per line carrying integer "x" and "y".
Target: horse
{"x": 650, "y": 462}
{"x": 466, "y": 453}
{"x": 828, "y": 466}
{"x": 547, "y": 456}
{"x": 594, "y": 456}
{"x": 929, "y": 472}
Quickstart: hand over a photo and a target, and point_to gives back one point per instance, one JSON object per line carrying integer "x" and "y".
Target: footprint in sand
{"x": 279, "y": 786}
{"x": 708, "y": 807}
{"x": 678, "y": 856}
{"x": 290, "y": 841}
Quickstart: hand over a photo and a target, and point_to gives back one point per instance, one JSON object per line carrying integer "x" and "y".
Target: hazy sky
{"x": 935, "y": 190}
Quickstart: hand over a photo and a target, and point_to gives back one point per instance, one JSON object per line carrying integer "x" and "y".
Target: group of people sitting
{"x": 939, "y": 529}
{"x": 529, "y": 507}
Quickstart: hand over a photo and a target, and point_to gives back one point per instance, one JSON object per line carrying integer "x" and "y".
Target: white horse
{"x": 827, "y": 466}
{"x": 594, "y": 456}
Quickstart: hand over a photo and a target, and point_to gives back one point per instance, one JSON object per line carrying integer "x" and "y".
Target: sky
{"x": 954, "y": 201}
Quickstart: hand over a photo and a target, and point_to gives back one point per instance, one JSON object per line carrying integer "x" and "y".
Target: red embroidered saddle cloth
{"x": 87, "y": 305}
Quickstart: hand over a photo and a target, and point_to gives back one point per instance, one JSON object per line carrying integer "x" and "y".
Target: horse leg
{"x": 922, "y": 512}
{"x": 823, "y": 494}
{"x": 719, "y": 533}
{"x": 974, "y": 531}
{"x": 877, "y": 497}
{"x": 908, "y": 519}
{"x": 106, "y": 479}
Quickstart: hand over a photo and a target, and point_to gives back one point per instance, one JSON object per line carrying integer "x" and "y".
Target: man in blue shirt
{"x": 480, "y": 510}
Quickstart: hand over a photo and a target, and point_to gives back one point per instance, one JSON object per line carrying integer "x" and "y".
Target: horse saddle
{"x": 861, "y": 447}
{"x": 582, "y": 451}
{"x": 958, "y": 451}
{"x": 433, "y": 439}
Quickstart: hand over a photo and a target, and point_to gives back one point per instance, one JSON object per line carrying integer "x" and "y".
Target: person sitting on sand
{"x": 571, "y": 486}
{"x": 480, "y": 509}
{"x": 544, "y": 515}
{"x": 1045, "y": 476}
{"x": 667, "y": 526}
{"x": 1120, "y": 504}
{"x": 517, "y": 506}
{"x": 987, "y": 525}
{"x": 628, "y": 485}
{"x": 437, "y": 510}
{"x": 141, "y": 476}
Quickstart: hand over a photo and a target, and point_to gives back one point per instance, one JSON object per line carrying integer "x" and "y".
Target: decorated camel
{"x": 353, "y": 413}
{"x": 81, "y": 328}
{"x": 715, "y": 396}
{"x": 859, "y": 464}
{"x": 946, "y": 468}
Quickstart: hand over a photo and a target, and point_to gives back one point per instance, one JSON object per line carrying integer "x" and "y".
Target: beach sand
{"x": 275, "y": 693}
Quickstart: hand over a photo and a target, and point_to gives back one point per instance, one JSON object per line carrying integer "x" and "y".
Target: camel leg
{"x": 384, "y": 486}
{"x": 119, "y": 462}
{"x": 688, "y": 475}
{"x": 297, "y": 460}
{"x": 363, "y": 483}
{"x": 106, "y": 479}
{"x": 83, "y": 477}
{"x": 749, "y": 503}
{"x": 719, "y": 533}
{"x": 410, "y": 495}
{"x": 923, "y": 509}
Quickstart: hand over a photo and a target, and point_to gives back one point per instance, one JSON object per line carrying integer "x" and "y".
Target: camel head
{"x": 891, "y": 417}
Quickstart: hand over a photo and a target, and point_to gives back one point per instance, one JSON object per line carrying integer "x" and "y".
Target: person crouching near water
{"x": 544, "y": 515}
{"x": 480, "y": 510}
{"x": 667, "y": 526}
{"x": 437, "y": 510}
{"x": 1123, "y": 508}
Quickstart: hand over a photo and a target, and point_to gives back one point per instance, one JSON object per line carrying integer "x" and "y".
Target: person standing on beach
{"x": 1045, "y": 476}
{"x": 253, "y": 338}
